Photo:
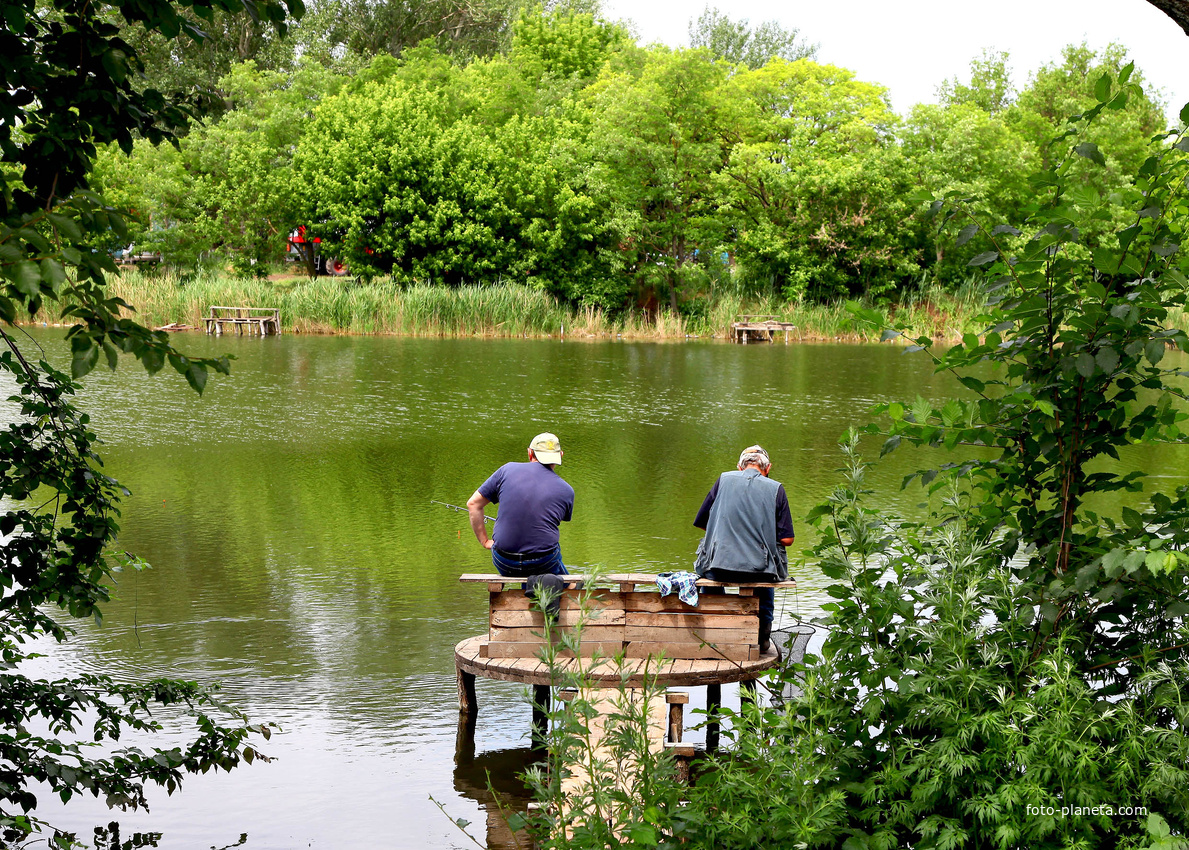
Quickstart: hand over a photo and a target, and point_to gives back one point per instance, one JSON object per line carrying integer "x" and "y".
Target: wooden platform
{"x": 261, "y": 320}
{"x": 759, "y": 329}
{"x": 470, "y": 659}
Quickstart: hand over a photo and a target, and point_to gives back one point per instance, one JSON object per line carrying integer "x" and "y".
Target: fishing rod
{"x": 459, "y": 508}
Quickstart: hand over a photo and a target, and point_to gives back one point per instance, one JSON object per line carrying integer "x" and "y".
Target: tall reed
{"x": 337, "y": 305}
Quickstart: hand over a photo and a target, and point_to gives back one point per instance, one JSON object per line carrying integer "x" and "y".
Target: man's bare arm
{"x": 475, "y": 506}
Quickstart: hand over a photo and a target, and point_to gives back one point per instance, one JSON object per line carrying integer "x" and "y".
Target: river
{"x": 298, "y": 559}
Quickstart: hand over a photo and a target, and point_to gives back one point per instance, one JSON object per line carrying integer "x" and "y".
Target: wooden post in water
{"x": 540, "y": 714}
{"x": 713, "y": 710}
{"x": 468, "y": 705}
{"x": 677, "y": 701}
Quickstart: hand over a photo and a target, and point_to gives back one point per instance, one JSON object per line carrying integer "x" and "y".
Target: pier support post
{"x": 540, "y": 714}
{"x": 677, "y": 701}
{"x": 713, "y": 712}
{"x": 468, "y": 705}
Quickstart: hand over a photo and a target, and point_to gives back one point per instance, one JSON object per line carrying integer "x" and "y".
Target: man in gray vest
{"x": 748, "y": 526}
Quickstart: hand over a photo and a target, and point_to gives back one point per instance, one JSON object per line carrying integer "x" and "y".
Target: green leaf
{"x": 1085, "y": 364}
{"x": 984, "y": 258}
{"x": 1185, "y": 114}
{"x": 1102, "y": 88}
{"x": 1125, "y": 73}
{"x": 890, "y": 445}
{"x": 643, "y": 833}
{"x": 1133, "y": 518}
{"x": 1106, "y": 260}
{"x": 53, "y": 273}
{"x": 966, "y": 234}
{"x": 1091, "y": 152}
{"x": 196, "y": 377}
{"x": 1107, "y": 359}
{"x": 896, "y": 410}
{"x": 66, "y": 225}
{"x": 1183, "y": 145}
{"x": 1154, "y": 350}
{"x": 1157, "y": 826}
{"x": 27, "y": 278}
{"x": 1112, "y": 562}
{"x": 86, "y": 355}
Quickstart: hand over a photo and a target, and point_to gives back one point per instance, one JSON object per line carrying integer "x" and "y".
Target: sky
{"x": 912, "y": 46}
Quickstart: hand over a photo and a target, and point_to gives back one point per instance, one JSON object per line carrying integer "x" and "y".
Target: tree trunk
{"x": 1178, "y": 10}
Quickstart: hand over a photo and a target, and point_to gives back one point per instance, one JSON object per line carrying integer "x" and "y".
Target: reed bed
{"x": 336, "y": 305}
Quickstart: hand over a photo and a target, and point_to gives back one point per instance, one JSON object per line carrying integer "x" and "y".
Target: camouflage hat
{"x": 547, "y": 448}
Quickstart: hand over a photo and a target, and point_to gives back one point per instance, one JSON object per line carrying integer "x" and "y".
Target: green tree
{"x": 656, "y": 144}
{"x": 57, "y": 108}
{"x": 421, "y": 173}
{"x": 813, "y": 185}
{"x": 962, "y": 150}
{"x": 564, "y": 44}
{"x": 740, "y": 44}
{"x": 226, "y": 191}
{"x": 990, "y": 87}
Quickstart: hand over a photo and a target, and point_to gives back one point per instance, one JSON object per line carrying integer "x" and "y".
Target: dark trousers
{"x": 518, "y": 566}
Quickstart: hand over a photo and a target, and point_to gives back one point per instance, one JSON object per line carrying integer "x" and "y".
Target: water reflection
{"x": 492, "y": 779}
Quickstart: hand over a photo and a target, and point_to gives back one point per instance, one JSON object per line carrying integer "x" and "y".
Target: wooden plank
{"x": 692, "y": 620}
{"x": 567, "y": 618}
{"x": 642, "y": 579}
{"x": 724, "y": 652}
{"x": 496, "y": 578}
{"x": 716, "y": 604}
{"x": 599, "y": 634}
{"x": 529, "y": 650}
{"x": 685, "y": 634}
{"x": 515, "y": 600}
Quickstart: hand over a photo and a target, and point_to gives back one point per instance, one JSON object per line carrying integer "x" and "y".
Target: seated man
{"x": 748, "y": 526}
{"x": 533, "y": 501}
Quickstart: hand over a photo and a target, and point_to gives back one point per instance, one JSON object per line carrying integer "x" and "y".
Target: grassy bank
{"x": 335, "y": 305}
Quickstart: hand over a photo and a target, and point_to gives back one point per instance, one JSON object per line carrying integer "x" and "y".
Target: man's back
{"x": 533, "y": 501}
{"x": 741, "y": 534}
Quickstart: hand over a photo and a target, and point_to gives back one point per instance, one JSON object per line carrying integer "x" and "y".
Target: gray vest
{"x": 741, "y": 532}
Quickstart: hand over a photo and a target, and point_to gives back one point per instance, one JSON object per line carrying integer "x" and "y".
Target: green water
{"x": 299, "y": 561}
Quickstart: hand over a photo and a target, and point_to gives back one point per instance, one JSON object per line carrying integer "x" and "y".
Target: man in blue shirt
{"x": 533, "y": 501}
{"x": 748, "y": 527}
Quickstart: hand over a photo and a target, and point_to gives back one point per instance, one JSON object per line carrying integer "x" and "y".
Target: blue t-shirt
{"x": 533, "y": 501}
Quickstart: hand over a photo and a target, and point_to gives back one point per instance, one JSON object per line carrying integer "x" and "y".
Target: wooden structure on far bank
{"x": 759, "y": 328}
{"x": 261, "y": 320}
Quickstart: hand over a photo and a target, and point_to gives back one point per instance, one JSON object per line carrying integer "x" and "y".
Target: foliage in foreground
{"x": 1015, "y": 673}
{"x": 67, "y": 736}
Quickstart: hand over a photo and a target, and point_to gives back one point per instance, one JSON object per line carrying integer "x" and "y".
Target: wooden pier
{"x": 759, "y": 329}
{"x": 255, "y": 320}
{"x": 630, "y": 634}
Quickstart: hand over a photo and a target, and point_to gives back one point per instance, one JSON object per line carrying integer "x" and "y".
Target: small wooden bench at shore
{"x": 759, "y": 328}
{"x": 261, "y": 320}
